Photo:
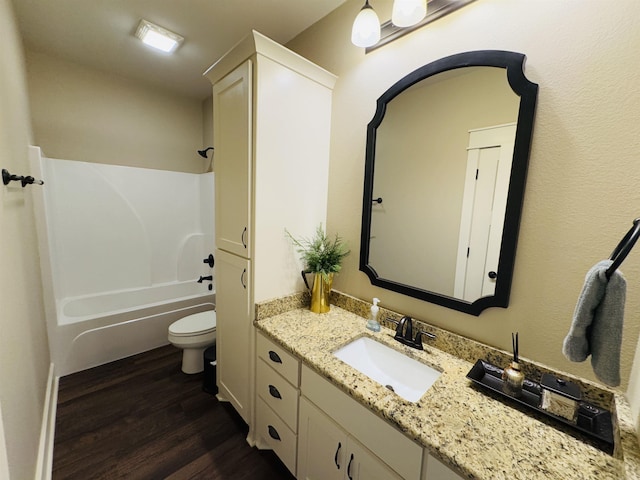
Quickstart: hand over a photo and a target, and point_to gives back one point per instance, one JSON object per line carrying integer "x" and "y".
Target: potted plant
{"x": 323, "y": 257}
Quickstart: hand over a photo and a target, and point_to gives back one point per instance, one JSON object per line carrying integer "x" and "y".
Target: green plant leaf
{"x": 320, "y": 253}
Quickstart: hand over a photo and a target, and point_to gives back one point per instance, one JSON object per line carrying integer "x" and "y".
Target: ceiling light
{"x": 158, "y": 37}
{"x": 366, "y": 27}
{"x": 406, "y": 13}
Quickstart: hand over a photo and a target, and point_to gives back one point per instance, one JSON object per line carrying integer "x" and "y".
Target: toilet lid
{"x": 196, "y": 324}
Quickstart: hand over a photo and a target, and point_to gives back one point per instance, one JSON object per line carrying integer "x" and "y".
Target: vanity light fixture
{"x": 366, "y": 27}
{"x": 158, "y": 37}
{"x": 407, "y": 13}
{"x": 406, "y": 16}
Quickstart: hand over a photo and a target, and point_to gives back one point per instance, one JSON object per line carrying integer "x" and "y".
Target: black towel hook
{"x": 624, "y": 247}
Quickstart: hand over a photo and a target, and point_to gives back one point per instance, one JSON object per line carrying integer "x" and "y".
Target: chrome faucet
{"x": 404, "y": 333}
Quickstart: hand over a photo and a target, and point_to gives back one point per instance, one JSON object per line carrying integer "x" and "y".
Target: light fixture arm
{"x": 203, "y": 153}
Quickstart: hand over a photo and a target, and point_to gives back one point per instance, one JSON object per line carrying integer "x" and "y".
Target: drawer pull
{"x": 273, "y": 433}
{"x": 335, "y": 458}
{"x": 242, "y": 278}
{"x": 274, "y": 357}
{"x": 274, "y": 392}
{"x": 349, "y": 468}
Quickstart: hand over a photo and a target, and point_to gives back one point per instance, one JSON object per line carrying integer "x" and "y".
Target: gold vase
{"x": 512, "y": 380}
{"x": 320, "y": 293}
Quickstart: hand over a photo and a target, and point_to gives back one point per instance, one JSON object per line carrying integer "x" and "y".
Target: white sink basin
{"x": 405, "y": 376}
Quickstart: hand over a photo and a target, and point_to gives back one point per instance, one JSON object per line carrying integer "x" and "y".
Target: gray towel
{"x": 597, "y": 323}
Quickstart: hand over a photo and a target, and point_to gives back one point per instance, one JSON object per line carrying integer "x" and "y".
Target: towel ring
{"x": 624, "y": 247}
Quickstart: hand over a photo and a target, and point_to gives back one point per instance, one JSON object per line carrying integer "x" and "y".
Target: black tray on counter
{"x": 592, "y": 421}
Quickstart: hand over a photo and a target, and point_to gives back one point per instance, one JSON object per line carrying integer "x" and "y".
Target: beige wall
{"x": 207, "y": 130}
{"x": 24, "y": 352}
{"x": 79, "y": 113}
{"x": 582, "y": 189}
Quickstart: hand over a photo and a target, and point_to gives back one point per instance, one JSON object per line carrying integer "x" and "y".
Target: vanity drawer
{"x": 279, "y": 359}
{"x": 278, "y": 394}
{"x": 276, "y": 435}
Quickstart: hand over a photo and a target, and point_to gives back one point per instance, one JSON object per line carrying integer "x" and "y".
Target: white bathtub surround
{"x": 121, "y": 249}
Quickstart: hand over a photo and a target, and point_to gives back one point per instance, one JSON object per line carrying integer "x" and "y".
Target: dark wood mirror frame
{"x": 527, "y": 91}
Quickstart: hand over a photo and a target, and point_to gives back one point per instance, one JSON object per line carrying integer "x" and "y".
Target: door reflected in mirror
{"x": 447, "y": 153}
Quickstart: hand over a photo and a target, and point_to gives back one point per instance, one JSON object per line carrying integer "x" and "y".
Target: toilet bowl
{"x": 193, "y": 334}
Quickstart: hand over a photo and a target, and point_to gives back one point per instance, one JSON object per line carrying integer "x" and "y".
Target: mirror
{"x": 446, "y": 161}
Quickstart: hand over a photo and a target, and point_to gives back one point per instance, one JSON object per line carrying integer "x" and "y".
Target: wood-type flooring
{"x": 142, "y": 418}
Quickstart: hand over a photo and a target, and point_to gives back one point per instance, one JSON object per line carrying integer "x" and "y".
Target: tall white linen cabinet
{"x": 271, "y": 132}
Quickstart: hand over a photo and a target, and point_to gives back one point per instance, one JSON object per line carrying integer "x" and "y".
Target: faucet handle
{"x": 418, "y": 340}
{"x": 397, "y": 324}
{"x": 431, "y": 336}
{"x": 408, "y": 331}
{"x": 209, "y": 260}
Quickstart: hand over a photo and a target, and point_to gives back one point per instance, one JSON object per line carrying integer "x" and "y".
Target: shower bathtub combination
{"x": 121, "y": 250}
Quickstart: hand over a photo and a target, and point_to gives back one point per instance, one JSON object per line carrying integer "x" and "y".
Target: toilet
{"x": 193, "y": 334}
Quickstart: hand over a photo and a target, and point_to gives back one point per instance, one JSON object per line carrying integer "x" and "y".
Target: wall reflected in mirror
{"x": 443, "y": 149}
{"x": 421, "y": 166}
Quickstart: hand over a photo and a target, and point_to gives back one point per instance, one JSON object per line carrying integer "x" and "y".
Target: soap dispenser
{"x": 372, "y": 323}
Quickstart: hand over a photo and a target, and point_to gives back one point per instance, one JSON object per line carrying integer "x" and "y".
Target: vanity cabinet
{"x": 336, "y": 430}
{"x": 271, "y": 122}
{"x": 327, "y": 452}
{"x": 436, "y": 470}
{"x": 278, "y": 393}
{"x": 320, "y": 433}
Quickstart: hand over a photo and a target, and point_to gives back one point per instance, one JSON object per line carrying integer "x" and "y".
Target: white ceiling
{"x": 99, "y": 33}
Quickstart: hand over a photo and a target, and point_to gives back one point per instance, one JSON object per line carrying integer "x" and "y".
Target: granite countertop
{"x": 480, "y": 437}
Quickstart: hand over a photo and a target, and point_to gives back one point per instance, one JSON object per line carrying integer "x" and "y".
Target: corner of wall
{"x": 44, "y": 463}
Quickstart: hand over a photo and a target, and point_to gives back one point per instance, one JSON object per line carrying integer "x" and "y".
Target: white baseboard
{"x": 47, "y": 430}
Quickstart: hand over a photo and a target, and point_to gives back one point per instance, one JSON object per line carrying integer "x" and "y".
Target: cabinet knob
{"x": 349, "y": 468}
{"x": 274, "y": 357}
{"x": 244, "y": 242}
{"x": 273, "y": 433}
{"x": 274, "y": 392}
{"x": 335, "y": 458}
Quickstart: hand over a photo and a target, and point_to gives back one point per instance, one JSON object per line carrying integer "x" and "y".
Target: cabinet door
{"x": 233, "y": 331}
{"x": 436, "y": 470}
{"x": 321, "y": 446}
{"x": 325, "y": 451}
{"x": 232, "y": 160}
{"x": 364, "y": 465}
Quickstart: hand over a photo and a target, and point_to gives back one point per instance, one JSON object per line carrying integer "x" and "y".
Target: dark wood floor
{"x": 142, "y": 418}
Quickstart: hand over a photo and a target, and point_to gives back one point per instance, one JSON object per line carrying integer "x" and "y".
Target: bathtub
{"x": 128, "y": 303}
{"x": 96, "y": 329}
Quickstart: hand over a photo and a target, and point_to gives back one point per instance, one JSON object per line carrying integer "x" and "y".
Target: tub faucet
{"x": 404, "y": 333}
{"x": 208, "y": 277}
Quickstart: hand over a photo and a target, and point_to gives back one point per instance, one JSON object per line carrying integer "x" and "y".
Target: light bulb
{"x": 366, "y": 27}
{"x": 406, "y": 13}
